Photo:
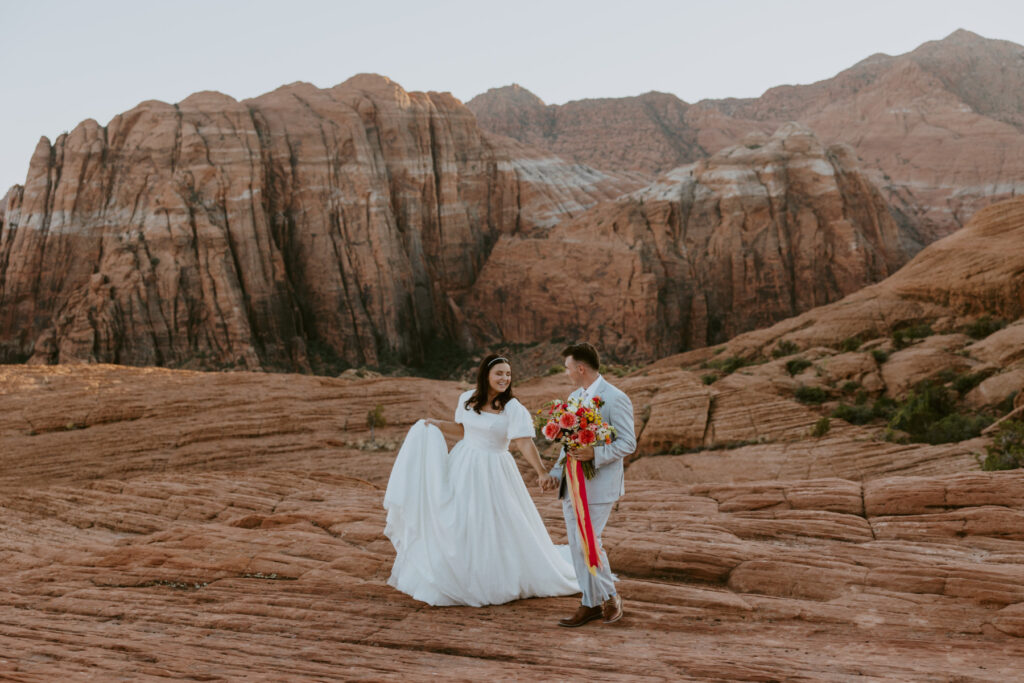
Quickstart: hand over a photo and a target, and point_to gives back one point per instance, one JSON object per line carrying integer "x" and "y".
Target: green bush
{"x": 904, "y": 335}
{"x": 879, "y": 355}
{"x": 964, "y": 383}
{"x": 983, "y": 327}
{"x": 884, "y": 407}
{"x": 850, "y": 344}
{"x": 797, "y": 365}
{"x": 850, "y": 387}
{"x": 784, "y": 348}
{"x": 928, "y": 415}
{"x": 957, "y": 427}
{"x": 708, "y": 378}
{"x": 859, "y": 414}
{"x": 814, "y": 395}
{"x": 728, "y": 365}
{"x": 556, "y": 369}
{"x": 1006, "y": 452}
{"x": 923, "y": 407}
{"x": 821, "y": 427}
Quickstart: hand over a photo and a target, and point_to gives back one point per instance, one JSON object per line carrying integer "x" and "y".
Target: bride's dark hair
{"x": 479, "y": 398}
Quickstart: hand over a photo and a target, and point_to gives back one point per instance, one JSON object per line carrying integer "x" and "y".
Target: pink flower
{"x": 567, "y": 421}
{"x": 551, "y": 430}
{"x": 587, "y": 437}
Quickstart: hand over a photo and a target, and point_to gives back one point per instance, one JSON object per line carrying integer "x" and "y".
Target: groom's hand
{"x": 583, "y": 453}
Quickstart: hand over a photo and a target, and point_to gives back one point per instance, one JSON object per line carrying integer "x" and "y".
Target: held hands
{"x": 546, "y": 481}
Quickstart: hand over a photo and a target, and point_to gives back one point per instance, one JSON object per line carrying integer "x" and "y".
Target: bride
{"x": 464, "y": 527}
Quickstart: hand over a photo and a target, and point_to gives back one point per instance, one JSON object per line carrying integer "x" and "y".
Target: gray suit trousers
{"x": 596, "y": 589}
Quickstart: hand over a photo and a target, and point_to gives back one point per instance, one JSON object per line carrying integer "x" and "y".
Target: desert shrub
{"x": 879, "y": 355}
{"x": 1006, "y": 452}
{"x": 784, "y": 348}
{"x": 861, "y": 412}
{"x": 708, "y": 378}
{"x": 797, "y": 365}
{"x": 904, "y": 335}
{"x": 858, "y": 414}
{"x": 616, "y": 370}
{"x": 807, "y": 394}
{"x": 375, "y": 418}
{"x": 928, "y": 415}
{"x": 964, "y": 383}
{"x": 957, "y": 427}
{"x": 728, "y": 365}
{"x": 850, "y": 387}
{"x": 923, "y": 407}
{"x": 850, "y": 344}
{"x": 884, "y": 407}
{"x": 821, "y": 427}
{"x": 983, "y": 327}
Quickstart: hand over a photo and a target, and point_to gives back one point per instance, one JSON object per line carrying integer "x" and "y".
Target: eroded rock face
{"x": 343, "y": 224}
{"x": 757, "y": 233}
{"x": 976, "y": 271}
{"x": 647, "y": 133}
{"x": 938, "y": 128}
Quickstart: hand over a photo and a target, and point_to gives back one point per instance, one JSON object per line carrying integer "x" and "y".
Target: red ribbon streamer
{"x": 578, "y": 495}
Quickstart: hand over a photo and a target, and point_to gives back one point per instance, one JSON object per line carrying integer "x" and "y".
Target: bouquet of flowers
{"x": 575, "y": 423}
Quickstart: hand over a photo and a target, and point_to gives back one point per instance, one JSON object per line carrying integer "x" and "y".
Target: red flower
{"x": 551, "y": 430}
{"x": 587, "y": 437}
{"x": 568, "y": 421}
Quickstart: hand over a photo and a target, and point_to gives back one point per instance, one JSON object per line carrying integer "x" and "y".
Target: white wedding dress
{"x": 464, "y": 527}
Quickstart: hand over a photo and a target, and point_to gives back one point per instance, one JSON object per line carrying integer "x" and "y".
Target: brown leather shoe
{"x": 612, "y": 609}
{"x": 582, "y": 616}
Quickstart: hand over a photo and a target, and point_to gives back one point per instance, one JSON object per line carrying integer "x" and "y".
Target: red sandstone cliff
{"x": 339, "y": 224}
{"x": 757, "y": 233}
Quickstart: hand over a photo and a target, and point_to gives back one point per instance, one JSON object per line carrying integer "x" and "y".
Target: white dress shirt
{"x": 589, "y": 391}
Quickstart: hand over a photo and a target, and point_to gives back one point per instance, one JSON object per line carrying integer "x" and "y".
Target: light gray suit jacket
{"x": 609, "y": 481}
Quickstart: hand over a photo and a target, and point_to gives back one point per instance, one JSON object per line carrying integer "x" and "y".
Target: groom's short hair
{"x": 583, "y": 353}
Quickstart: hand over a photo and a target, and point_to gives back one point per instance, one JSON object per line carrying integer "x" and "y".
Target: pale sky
{"x": 65, "y": 61}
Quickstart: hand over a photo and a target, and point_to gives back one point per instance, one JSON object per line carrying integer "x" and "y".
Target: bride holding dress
{"x": 464, "y": 527}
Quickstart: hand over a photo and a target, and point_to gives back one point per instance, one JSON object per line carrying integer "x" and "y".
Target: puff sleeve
{"x": 460, "y": 407}
{"x": 520, "y": 423}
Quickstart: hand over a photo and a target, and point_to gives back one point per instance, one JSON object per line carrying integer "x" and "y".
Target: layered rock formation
{"x": 648, "y": 133}
{"x": 939, "y": 128}
{"x": 976, "y": 271}
{"x": 336, "y": 225}
{"x": 758, "y": 233}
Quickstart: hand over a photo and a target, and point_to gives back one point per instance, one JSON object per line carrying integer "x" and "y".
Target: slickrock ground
{"x": 170, "y": 524}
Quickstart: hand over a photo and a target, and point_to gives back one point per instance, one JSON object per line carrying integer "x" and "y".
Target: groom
{"x": 599, "y": 596}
